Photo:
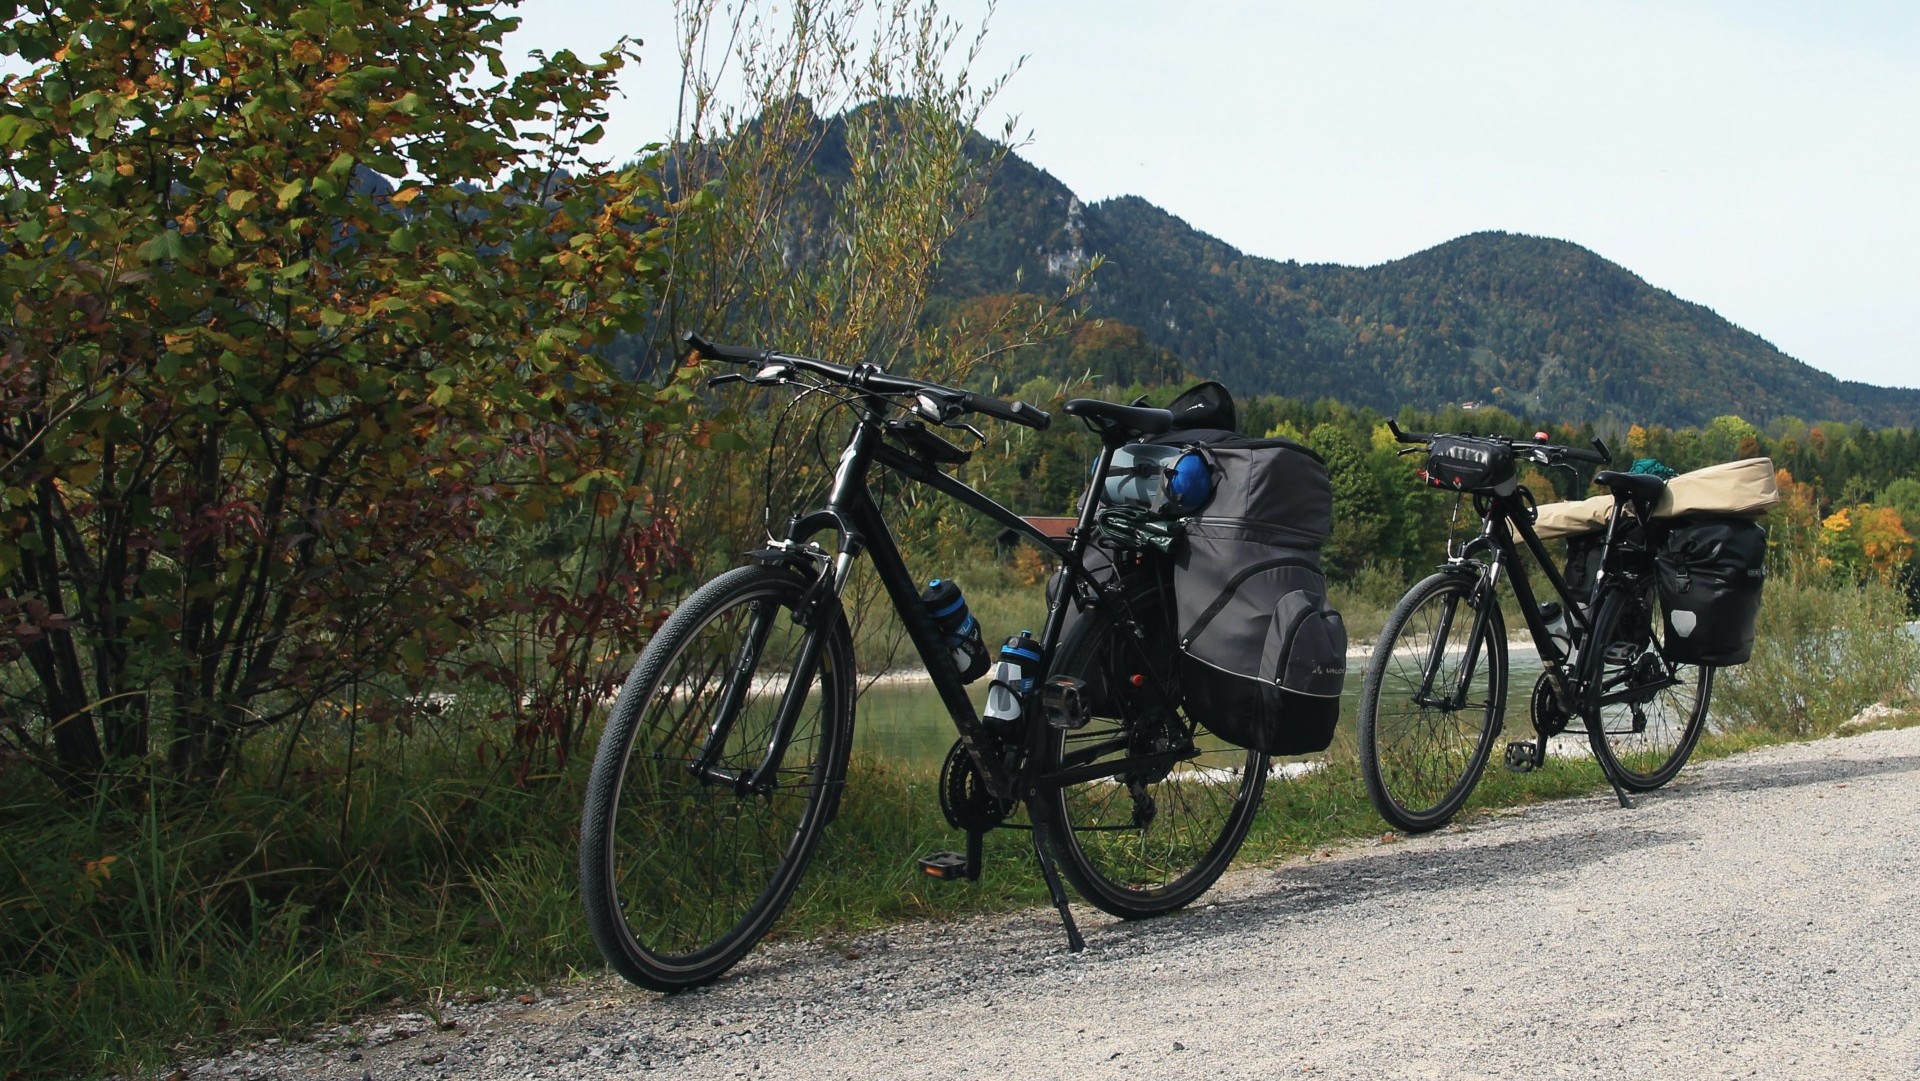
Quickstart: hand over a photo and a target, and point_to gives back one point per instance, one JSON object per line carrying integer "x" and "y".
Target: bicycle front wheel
{"x": 1153, "y": 834}
{"x": 685, "y": 861}
{"x": 1432, "y": 703}
{"x": 1644, "y": 714}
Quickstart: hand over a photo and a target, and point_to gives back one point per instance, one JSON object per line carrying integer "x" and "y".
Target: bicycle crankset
{"x": 1548, "y": 718}
{"x": 964, "y": 797}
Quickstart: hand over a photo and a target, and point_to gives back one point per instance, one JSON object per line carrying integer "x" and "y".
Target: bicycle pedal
{"x": 1520, "y": 756}
{"x": 1063, "y": 702}
{"x": 946, "y": 866}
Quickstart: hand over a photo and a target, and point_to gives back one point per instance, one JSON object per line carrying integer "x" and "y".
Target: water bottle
{"x": 962, "y": 632}
{"x": 1557, "y": 628}
{"x": 1012, "y": 682}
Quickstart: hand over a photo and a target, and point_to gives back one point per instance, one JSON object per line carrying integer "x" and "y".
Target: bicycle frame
{"x": 1506, "y": 526}
{"x": 856, "y": 518}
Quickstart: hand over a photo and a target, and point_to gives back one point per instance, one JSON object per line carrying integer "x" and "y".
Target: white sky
{"x": 1761, "y": 157}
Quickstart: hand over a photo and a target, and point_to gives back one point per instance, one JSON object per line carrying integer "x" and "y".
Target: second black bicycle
{"x": 1434, "y": 702}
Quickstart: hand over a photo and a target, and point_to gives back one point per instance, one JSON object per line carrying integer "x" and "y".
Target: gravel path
{"x": 1759, "y": 918}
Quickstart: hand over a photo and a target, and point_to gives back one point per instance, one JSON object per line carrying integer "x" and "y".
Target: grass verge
{"x": 146, "y": 927}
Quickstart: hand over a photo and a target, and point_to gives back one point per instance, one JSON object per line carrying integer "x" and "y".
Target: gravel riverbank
{"x": 1759, "y": 918}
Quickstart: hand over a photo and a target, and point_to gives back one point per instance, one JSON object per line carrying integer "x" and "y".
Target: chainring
{"x": 964, "y": 796}
{"x": 1548, "y": 718}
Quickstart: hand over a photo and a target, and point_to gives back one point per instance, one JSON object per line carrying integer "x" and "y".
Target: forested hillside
{"x": 1543, "y": 326}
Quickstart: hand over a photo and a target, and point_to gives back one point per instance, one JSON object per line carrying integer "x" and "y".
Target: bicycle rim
{"x": 681, "y": 876}
{"x": 1423, "y": 744}
{"x": 1149, "y": 840}
{"x": 1643, "y": 737}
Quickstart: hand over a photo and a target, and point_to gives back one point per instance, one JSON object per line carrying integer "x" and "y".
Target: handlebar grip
{"x": 738, "y": 354}
{"x": 1408, "y": 437}
{"x": 1035, "y": 417}
{"x": 1017, "y": 412}
{"x": 1598, "y": 455}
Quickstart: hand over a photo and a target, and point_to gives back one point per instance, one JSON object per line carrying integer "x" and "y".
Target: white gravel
{"x": 1759, "y": 918}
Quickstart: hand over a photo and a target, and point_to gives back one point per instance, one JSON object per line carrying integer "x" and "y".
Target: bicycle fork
{"x": 1437, "y": 655}
{"x": 817, "y": 616}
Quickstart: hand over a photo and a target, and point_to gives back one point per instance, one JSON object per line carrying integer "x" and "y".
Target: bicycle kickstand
{"x": 1052, "y": 874}
{"x": 1625, "y": 801}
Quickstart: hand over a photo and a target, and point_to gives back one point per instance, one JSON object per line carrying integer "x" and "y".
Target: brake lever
{"x": 978, "y": 435}
{"x": 725, "y": 377}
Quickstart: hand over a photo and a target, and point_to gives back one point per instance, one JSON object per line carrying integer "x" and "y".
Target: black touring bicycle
{"x": 1662, "y": 587}
{"x": 725, "y": 754}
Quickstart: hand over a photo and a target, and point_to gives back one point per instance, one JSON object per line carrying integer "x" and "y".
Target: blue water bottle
{"x": 948, "y": 607}
{"x": 1012, "y": 682}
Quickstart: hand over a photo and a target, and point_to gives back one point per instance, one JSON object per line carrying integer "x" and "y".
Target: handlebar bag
{"x": 1463, "y": 463}
{"x": 1711, "y": 570}
{"x": 1263, "y": 655}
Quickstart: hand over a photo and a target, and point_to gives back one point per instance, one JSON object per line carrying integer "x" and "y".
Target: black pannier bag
{"x": 1462, "y": 463}
{"x": 1711, "y": 571}
{"x": 1263, "y": 656}
{"x": 1583, "y": 565}
{"x": 1583, "y": 556}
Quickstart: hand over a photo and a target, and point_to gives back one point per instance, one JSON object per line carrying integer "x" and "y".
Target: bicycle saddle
{"x": 1124, "y": 421}
{"x": 1642, "y": 488}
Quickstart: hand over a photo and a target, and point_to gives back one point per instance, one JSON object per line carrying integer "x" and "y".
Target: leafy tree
{"x": 1728, "y": 438}
{"x": 809, "y": 209}
{"x": 1866, "y": 541}
{"x": 304, "y": 302}
{"x": 1360, "y": 524}
{"x": 1903, "y": 495}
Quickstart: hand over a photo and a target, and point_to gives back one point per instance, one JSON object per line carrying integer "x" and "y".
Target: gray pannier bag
{"x": 1264, "y": 656}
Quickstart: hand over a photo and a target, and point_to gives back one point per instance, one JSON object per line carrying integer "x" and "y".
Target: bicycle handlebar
{"x": 873, "y": 379}
{"x": 1598, "y": 455}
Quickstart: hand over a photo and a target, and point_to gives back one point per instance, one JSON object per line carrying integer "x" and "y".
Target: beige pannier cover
{"x": 1744, "y": 488}
{"x": 1573, "y": 518}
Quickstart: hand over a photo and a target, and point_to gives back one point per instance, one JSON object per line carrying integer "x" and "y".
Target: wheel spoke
{"x": 1649, "y": 713}
{"x": 1428, "y": 717}
{"x": 682, "y": 873}
{"x": 1148, "y": 839}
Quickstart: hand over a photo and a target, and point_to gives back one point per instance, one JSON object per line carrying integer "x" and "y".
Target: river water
{"x": 901, "y": 718}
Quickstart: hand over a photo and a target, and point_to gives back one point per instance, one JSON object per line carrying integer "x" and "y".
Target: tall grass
{"x": 1825, "y": 648}
{"x": 150, "y": 925}
{"x": 150, "y": 918}
{"x": 1365, "y": 600}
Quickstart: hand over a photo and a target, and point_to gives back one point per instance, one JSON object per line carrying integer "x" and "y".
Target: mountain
{"x": 1537, "y": 325}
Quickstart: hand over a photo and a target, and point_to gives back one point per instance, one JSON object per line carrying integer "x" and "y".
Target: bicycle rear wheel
{"x": 1427, "y": 720}
{"x": 1644, "y": 714}
{"x": 1147, "y": 839}
{"x": 682, "y": 874}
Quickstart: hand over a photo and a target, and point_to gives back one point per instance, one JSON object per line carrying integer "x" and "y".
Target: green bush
{"x": 1826, "y": 647}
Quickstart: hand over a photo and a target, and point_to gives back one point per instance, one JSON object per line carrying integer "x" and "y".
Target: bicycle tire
{"x": 1421, "y": 762}
{"x": 1142, "y": 844}
{"x": 680, "y": 877}
{"x": 1643, "y": 739}
{"x": 1145, "y": 843}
